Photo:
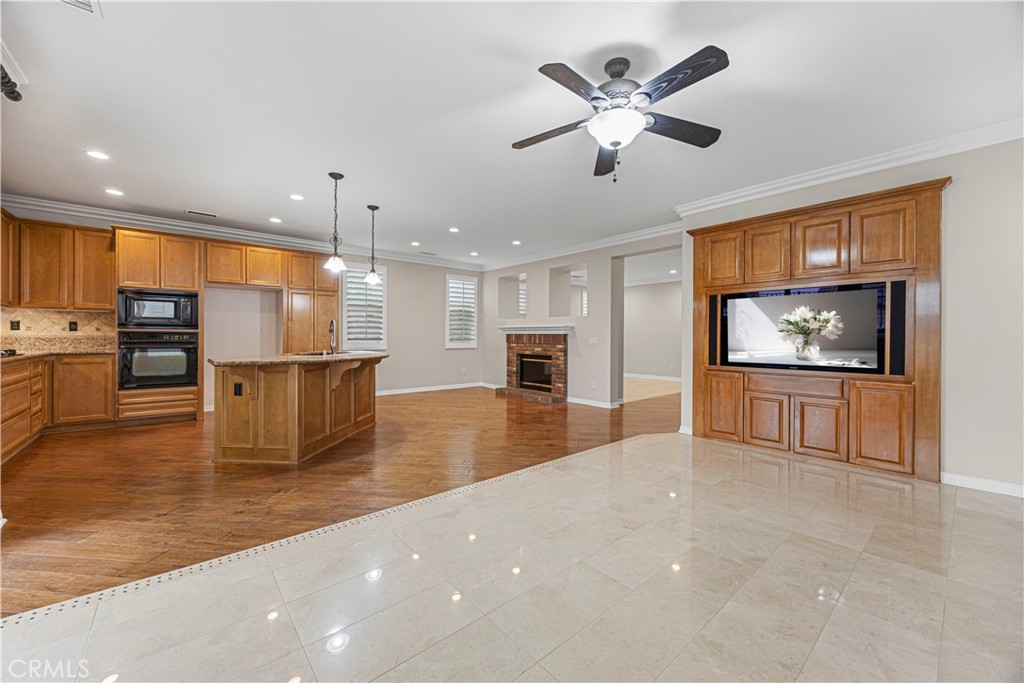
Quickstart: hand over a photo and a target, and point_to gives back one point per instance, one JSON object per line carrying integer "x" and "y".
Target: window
{"x": 460, "y": 312}
{"x": 522, "y": 300}
{"x": 583, "y": 302}
{"x": 364, "y": 311}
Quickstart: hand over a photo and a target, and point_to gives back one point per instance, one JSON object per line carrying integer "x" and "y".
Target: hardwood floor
{"x": 91, "y": 510}
{"x": 636, "y": 389}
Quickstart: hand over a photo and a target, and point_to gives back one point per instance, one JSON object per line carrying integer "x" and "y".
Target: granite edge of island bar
{"x": 287, "y": 408}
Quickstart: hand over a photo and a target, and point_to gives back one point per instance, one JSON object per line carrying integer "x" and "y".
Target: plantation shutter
{"x": 522, "y": 299}
{"x": 364, "y": 311}
{"x": 460, "y": 322}
{"x": 583, "y": 303}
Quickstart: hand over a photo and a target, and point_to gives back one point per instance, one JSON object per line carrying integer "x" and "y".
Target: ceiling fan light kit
{"x": 617, "y": 121}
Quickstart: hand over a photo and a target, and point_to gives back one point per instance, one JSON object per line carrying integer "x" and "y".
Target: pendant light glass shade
{"x": 615, "y": 128}
{"x": 335, "y": 264}
{"x": 373, "y": 278}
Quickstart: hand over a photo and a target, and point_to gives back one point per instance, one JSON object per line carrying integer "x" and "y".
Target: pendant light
{"x": 334, "y": 263}
{"x": 373, "y": 278}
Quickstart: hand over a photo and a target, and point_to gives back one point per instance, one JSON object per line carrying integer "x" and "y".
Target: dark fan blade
{"x": 568, "y": 78}
{"x": 684, "y": 131}
{"x": 605, "y": 160}
{"x": 698, "y": 66}
{"x": 554, "y": 133}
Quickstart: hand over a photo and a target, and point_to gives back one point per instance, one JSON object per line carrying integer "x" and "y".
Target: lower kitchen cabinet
{"x": 723, "y": 406}
{"x": 83, "y": 389}
{"x": 134, "y": 403}
{"x": 820, "y": 427}
{"x": 766, "y": 419}
{"x": 882, "y": 425}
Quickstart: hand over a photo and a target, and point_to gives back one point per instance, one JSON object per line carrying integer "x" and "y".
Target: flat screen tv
{"x": 752, "y": 328}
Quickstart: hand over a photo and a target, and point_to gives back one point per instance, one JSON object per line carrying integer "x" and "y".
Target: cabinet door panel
{"x": 326, "y": 310}
{"x": 138, "y": 260}
{"x": 724, "y": 254}
{"x": 95, "y": 267}
{"x": 298, "y": 326}
{"x": 263, "y": 266}
{"x": 325, "y": 279}
{"x": 820, "y": 427}
{"x": 179, "y": 263}
{"x": 225, "y": 263}
{"x": 883, "y": 237}
{"x": 766, "y": 420}
{"x": 723, "y": 405}
{"x": 83, "y": 389}
{"x": 10, "y": 262}
{"x": 821, "y": 246}
{"x": 766, "y": 253}
{"x": 300, "y": 270}
{"x": 882, "y": 425}
{"x": 45, "y": 266}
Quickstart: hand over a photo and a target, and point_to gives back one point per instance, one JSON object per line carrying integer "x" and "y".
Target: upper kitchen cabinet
{"x": 45, "y": 265}
{"x": 766, "y": 253}
{"x": 147, "y": 260}
{"x": 723, "y": 259}
{"x": 263, "y": 266}
{"x": 10, "y": 261}
{"x": 325, "y": 279}
{"x": 93, "y": 275}
{"x": 299, "y": 270}
{"x": 230, "y": 263}
{"x": 821, "y": 246}
{"x": 883, "y": 237}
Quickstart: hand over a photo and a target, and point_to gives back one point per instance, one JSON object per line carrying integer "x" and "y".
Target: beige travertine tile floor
{"x": 657, "y": 558}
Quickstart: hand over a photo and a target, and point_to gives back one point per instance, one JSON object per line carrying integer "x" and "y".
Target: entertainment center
{"x": 816, "y": 330}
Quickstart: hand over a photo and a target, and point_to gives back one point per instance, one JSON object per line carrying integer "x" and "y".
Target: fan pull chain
{"x": 615, "y": 173}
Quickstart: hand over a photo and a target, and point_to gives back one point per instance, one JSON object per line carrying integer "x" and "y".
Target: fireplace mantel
{"x": 537, "y": 329}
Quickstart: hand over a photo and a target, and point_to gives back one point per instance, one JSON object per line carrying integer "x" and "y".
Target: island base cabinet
{"x": 285, "y": 413}
{"x": 882, "y": 425}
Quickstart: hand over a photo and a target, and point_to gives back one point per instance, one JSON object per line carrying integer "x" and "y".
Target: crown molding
{"x": 64, "y": 212}
{"x": 14, "y": 70}
{"x": 604, "y": 243}
{"x": 954, "y": 144}
{"x": 653, "y": 281}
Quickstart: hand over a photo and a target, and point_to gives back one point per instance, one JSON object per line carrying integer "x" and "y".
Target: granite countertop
{"x": 29, "y": 355}
{"x": 288, "y": 359}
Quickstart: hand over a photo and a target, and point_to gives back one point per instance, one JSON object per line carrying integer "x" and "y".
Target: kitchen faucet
{"x": 334, "y": 341}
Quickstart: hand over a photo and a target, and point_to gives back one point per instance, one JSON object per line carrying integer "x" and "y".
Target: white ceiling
{"x": 230, "y": 107}
{"x": 654, "y": 267}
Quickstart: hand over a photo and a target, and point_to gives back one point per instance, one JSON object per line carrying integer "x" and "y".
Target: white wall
{"x": 590, "y": 346}
{"x": 653, "y": 329}
{"x": 238, "y": 323}
{"x": 982, "y": 300}
{"x": 416, "y": 322}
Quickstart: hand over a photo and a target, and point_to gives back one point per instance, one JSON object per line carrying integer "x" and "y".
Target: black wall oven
{"x": 158, "y": 359}
{"x": 147, "y": 308}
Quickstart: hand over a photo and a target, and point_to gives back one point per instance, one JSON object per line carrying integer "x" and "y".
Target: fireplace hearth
{"x": 536, "y": 366}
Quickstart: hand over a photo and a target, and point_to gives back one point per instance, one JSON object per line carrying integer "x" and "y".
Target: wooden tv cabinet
{"x": 887, "y": 421}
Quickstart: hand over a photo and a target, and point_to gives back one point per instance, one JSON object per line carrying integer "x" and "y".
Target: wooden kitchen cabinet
{"x": 325, "y": 309}
{"x": 883, "y": 237}
{"x": 22, "y": 404}
{"x": 263, "y": 267}
{"x": 147, "y": 260}
{"x": 325, "y": 280}
{"x": 45, "y": 265}
{"x": 225, "y": 263}
{"x": 882, "y": 425}
{"x": 10, "y": 261}
{"x": 821, "y": 246}
{"x": 298, "y": 321}
{"x": 94, "y": 271}
{"x": 724, "y": 259}
{"x": 83, "y": 389}
{"x": 766, "y": 253}
{"x": 299, "y": 269}
{"x": 723, "y": 405}
{"x": 820, "y": 427}
{"x": 766, "y": 420}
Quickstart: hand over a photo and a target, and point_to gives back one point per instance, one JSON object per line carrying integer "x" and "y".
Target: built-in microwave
{"x": 148, "y": 308}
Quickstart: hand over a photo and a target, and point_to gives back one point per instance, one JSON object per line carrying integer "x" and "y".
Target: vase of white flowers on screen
{"x": 804, "y": 324}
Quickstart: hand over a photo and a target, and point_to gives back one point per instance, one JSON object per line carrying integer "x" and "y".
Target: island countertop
{"x": 290, "y": 358}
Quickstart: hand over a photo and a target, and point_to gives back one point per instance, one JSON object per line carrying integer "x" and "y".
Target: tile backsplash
{"x": 47, "y": 330}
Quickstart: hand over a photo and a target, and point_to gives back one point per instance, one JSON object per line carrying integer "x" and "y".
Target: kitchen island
{"x": 285, "y": 409}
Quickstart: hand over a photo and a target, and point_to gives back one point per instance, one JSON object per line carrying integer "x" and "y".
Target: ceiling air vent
{"x": 428, "y": 253}
{"x": 90, "y": 7}
{"x": 204, "y": 214}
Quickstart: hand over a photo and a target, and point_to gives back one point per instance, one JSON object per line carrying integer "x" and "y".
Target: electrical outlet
{"x": 15, "y": 324}
{"x": 464, "y": 371}
{"x": 255, "y": 329}
{"x": 73, "y": 326}
{"x": 594, "y": 341}
{"x": 593, "y": 384}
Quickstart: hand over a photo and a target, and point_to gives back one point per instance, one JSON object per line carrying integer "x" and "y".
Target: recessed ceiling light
{"x": 414, "y": 244}
{"x": 453, "y": 229}
{"x": 473, "y": 253}
{"x": 272, "y": 615}
{"x": 516, "y": 243}
{"x": 116, "y": 193}
{"x": 296, "y": 197}
{"x": 456, "y": 596}
{"x": 672, "y": 272}
{"x": 275, "y": 220}
{"x": 96, "y": 154}
{"x": 110, "y": 679}
{"x": 295, "y": 679}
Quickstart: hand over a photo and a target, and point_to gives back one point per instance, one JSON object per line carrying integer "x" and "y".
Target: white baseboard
{"x": 595, "y": 404}
{"x": 663, "y": 378}
{"x": 683, "y": 429}
{"x": 441, "y": 387}
{"x": 980, "y": 484}
{"x": 208, "y": 409}
{"x": 488, "y": 385}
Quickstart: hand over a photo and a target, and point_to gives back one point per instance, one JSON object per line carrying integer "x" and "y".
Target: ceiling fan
{"x": 616, "y": 102}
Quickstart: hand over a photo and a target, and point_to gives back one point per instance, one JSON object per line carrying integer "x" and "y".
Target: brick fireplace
{"x": 533, "y": 344}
